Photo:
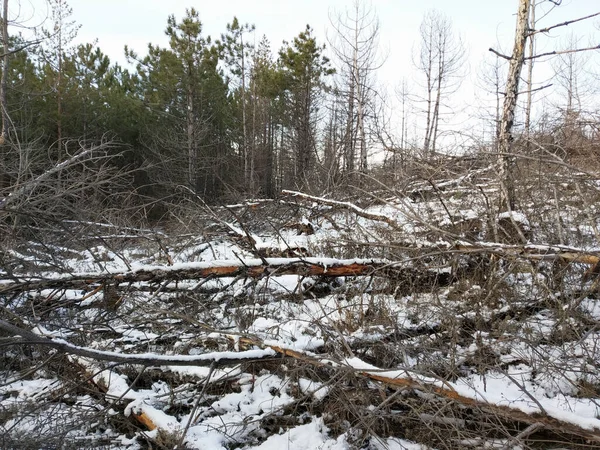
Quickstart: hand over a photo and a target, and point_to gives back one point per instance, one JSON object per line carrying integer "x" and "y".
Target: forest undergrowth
{"x": 409, "y": 318}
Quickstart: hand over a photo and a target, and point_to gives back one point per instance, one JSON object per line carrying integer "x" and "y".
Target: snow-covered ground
{"x": 464, "y": 357}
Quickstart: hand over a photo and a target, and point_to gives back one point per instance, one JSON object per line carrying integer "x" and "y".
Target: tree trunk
{"x": 530, "y": 76}
{"x": 190, "y": 138}
{"x": 507, "y": 159}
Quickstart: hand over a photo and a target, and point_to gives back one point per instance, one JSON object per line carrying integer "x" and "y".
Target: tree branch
{"x": 508, "y": 58}
{"x": 18, "y": 49}
{"x": 563, "y": 24}
{"x": 564, "y": 52}
{"x": 216, "y": 359}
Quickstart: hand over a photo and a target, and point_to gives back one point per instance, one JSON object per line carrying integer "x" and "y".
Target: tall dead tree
{"x": 505, "y": 139}
{"x": 516, "y": 62}
{"x": 441, "y": 60}
{"x": 355, "y": 45}
{"x": 530, "y": 72}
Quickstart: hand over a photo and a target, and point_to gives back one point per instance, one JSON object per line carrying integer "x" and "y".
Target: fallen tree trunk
{"x": 446, "y": 390}
{"x": 216, "y": 359}
{"x": 324, "y": 267}
{"x": 531, "y": 252}
{"x": 251, "y": 268}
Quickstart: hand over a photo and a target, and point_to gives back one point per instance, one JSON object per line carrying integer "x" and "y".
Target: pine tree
{"x": 186, "y": 95}
{"x": 237, "y": 49}
{"x": 304, "y": 67}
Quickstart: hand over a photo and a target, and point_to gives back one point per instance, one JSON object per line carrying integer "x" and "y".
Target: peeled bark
{"x": 507, "y": 158}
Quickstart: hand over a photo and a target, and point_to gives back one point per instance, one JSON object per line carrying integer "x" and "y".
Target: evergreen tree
{"x": 236, "y": 51}
{"x": 304, "y": 67}
{"x": 187, "y": 98}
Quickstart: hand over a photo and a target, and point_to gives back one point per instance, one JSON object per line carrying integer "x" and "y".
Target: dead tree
{"x": 441, "y": 60}
{"x": 516, "y": 62}
{"x": 355, "y": 45}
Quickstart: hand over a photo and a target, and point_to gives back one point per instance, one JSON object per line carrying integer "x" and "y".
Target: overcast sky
{"x": 481, "y": 24}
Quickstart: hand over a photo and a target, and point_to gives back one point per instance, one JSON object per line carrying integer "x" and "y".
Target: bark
{"x": 507, "y": 159}
{"x": 248, "y": 157}
{"x": 252, "y": 268}
{"x": 59, "y": 89}
{"x": 190, "y": 136}
{"x": 530, "y": 75}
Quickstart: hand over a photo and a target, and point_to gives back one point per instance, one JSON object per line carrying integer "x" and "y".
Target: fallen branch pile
{"x": 323, "y": 267}
{"x": 260, "y": 350}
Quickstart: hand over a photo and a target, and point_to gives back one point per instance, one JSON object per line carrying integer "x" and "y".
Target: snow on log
{"x": 213, "y": 359}
{"x": 250, "y": 268}
{"x": 346, "y": 205}
{"x": 588, "y": 429}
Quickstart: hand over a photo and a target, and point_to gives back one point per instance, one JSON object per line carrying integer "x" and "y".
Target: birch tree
{"x": 5, "y": 46}
{"x": 516, "y": 62}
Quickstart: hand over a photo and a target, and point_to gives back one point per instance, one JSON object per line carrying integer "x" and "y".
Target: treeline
{"x": 212, "y": 117}
{"x": 222, "y": 119}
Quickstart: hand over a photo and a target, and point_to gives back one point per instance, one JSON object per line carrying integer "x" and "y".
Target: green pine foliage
{"x": 199, "y": 118}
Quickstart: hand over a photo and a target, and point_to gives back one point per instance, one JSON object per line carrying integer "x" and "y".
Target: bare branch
{"x": 508, "y": 58}
{"x": 563, "y": 24}
{"x": 563, "y": 52}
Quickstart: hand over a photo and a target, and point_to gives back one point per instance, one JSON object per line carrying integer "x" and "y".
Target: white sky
{"x": 480, "y": 23}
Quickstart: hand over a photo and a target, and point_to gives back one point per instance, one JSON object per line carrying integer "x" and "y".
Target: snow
{"x": 311, "y": 436}
{"x": 190, "y": 325}
{"x": 517, "y": 216}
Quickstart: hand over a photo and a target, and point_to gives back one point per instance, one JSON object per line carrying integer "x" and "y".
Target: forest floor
{"x": 414, "y": 320}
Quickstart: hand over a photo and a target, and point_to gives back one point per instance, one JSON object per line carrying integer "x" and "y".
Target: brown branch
{"x": 508, "y": 58}
{"x": 18, "y": 49}
{"x": 563, "y": 52}
{"x": 563, "y": 24}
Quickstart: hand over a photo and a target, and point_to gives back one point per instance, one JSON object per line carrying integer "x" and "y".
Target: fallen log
{"x": 324, "y": 267}
{"x": 250, "y": 268}
{"x": 349, "y": 206}
{"x": 403, "y": 379}
{"x": 215, "y": 359}
{"x": 531, "y": 252}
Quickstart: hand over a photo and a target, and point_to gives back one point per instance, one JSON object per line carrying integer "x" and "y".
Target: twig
{"x": 563, "y": 24}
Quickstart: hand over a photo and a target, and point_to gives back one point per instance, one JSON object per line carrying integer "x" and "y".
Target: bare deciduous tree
{"x": 355, "y": 45}
{"x": 441, "y": 60}
{"x": 516, "y": 62}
